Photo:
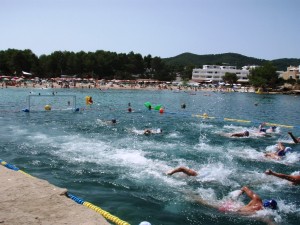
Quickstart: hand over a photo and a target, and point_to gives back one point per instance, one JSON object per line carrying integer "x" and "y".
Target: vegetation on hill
{"x": 232, "y": 59}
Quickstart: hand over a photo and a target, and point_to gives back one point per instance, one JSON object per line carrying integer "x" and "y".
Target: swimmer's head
{"x": 273, "y": 128}
{"x": 114, "y": 121}
{"x": 288, "y": 149}
{"x": 246, "y": 133}
{"x": 272, "y": 204}
{"x": 145, "y": 223}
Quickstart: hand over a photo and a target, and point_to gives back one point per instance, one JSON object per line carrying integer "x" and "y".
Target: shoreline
{"x": 147, "y": 86}
{"x": 30, "y": 200}
{"x": 104, "y": 87}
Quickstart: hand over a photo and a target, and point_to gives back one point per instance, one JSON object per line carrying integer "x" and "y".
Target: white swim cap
{"x": 287, "y": 149}
{"x": 145, "y": 223}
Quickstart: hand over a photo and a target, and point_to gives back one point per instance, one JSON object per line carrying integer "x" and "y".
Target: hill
{"x": 232, "y": 59}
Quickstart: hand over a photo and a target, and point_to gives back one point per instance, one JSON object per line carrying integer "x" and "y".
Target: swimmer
{"x": 295, "y": 179}
{"x": 243, "y": 134}
{"x": 296, "y": 140}
{"x": 255, "y": 204}
{"x": 184, "y": 170}
{"x": 148, "y": 131}
{"x": 280, "y": 153}
{"x": 129, "y": 109}
{"x": 183, "y": 106}
{"x": 272, "y": 129}
{"x": 262, "y": 129}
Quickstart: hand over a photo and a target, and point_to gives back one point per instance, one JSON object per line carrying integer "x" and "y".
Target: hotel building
{"x": 215, "y": 73}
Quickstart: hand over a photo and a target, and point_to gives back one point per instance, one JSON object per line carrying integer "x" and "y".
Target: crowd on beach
{"x": 126, "y": 84}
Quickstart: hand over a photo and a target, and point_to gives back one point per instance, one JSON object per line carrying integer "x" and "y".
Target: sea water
{"x": 117, "y": 168}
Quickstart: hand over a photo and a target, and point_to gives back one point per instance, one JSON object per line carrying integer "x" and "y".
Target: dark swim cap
{"x": 272, "y": 204}
{"x": 113, "y": 120}
{"x": 246, "y": 133}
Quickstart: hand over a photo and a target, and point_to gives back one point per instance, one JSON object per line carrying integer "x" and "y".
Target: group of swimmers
{"x": 261, "y": 131}
{"x": 281, "y": 149}
{"x": 256, "y": 203}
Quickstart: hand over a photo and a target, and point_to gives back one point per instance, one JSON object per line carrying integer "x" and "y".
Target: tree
{"x": 187, "y": 72}
{"x": 230, "y": 78}
{"x": 264, "y": 76}
{"x": 161, "y": 70}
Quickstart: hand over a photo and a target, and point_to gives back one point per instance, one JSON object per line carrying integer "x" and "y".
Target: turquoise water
{"x": 122, "y": 171}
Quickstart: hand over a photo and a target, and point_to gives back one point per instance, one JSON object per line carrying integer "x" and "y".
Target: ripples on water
{"x": 123, "y": 171}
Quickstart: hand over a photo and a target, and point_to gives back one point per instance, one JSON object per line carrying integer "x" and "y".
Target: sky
{"x": 264, "y": 29}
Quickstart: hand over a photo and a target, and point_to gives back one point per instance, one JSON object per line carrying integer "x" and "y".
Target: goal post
{"x": 51, "y": 102}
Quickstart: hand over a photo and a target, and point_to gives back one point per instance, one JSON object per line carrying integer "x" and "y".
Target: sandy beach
{"x": 123, "y": 86}
{"x": 28, "y": 200}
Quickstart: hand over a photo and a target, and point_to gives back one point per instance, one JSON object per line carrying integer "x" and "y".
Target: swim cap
{"x": 287, "y": 149}
{"x": 270, "y": 204}
{"x": 274, "y": 128}
{"x": 113, "y": 120}
{"x": 145, "y": 223}
{"x": 246, "y": 133}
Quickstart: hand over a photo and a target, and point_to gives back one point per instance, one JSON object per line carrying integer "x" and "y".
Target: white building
{"x": 214, "y": 73}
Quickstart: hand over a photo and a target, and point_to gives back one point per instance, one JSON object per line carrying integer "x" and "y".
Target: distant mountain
{"x": 232, "y": 59}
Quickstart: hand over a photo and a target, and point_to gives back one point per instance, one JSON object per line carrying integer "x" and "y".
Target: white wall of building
{"x": 216, "y": 73}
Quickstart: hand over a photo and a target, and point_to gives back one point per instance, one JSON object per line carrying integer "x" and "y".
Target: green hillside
{"x": 232, "y": 59}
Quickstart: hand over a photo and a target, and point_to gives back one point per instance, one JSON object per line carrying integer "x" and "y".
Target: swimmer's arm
{"x": 249, "y": 193}
{"x": 293, "y": 137}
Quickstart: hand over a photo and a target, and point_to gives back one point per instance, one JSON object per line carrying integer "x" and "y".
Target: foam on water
{"x": 216, "y": 173}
